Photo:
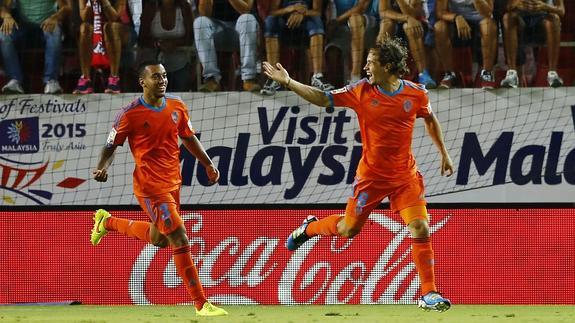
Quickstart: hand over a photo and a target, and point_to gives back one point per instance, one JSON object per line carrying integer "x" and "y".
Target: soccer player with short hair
{"x": 152, "y": 125}
{"x": 386, "y": 107}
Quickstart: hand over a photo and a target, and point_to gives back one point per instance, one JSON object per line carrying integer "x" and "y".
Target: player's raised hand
{"x": 213, "y": 175}
{"x": 446, "y": 165}
{"x": 277, "y": 73}
{"x": 100, "y": 175}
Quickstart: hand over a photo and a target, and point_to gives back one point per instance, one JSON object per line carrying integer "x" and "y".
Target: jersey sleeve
{"x": 185, "y": 129}
{"x": 424, "y": 109}
{"x": 348, "y": 96}
{"x": 120, "y": 130}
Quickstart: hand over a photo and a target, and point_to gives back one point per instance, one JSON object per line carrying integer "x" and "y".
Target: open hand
{"x": 8, "y": 25}
{"x": 277, "y": 73}
{"x": 463, "y": 29}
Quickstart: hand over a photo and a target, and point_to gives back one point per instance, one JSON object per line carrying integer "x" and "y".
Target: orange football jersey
{"x": 386, "y": 123}
{"x": 152, "y": 133}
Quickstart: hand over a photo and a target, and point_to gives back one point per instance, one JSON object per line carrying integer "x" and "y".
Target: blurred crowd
{"x": 87, "y": 46}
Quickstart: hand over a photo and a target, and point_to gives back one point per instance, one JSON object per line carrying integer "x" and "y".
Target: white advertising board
{"x": 508, "y": 146}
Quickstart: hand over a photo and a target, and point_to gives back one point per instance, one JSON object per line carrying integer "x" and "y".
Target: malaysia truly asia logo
{"x": 19, "y": 136}
{"x": 17, "y": 180}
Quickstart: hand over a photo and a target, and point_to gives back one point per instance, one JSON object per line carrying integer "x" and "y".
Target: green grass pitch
{"x": 295, "y": 314}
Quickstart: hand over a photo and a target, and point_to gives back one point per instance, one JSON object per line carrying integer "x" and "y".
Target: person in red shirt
{"x": 152, "y": 125}
{"x": 386, "y": 108}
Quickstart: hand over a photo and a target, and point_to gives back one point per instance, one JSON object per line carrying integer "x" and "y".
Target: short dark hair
{"x": 144, "y": 64}
{"x": 392, "y": 51}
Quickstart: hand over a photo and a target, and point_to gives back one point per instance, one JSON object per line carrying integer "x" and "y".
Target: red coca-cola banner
{"x": 482, "y": 257}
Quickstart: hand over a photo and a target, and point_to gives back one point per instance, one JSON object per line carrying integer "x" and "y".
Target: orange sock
{"x": 189, "y": 274}
{"x": 135, "y": 229}
{"x": 324, "y": 227}
{"x": 422, "y": 254}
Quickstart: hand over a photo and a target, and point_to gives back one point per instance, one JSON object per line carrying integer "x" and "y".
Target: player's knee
{"x": 161, "y": 243}
{"x": 178, "y": 238}
{"x": 419, "y": 228}
{"x": 348, "y": 232}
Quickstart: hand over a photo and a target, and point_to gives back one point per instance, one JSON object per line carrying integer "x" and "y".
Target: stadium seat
{"x": 463, "y": 65}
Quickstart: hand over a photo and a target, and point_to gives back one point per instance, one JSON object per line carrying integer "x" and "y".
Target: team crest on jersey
{"x": 175, "y": 117}
{"x": 374, "y": 102}
{"x": 407, "y": 105}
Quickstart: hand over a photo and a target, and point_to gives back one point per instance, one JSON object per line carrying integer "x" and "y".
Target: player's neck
{"x": 390, "y": 84}
{"x": 153, "y": 100}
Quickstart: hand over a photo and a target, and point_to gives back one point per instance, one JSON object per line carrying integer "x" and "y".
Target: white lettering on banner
{"x": 362, "y": 278}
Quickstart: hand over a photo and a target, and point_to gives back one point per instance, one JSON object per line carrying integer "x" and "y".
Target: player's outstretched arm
{"x": 194, "y": 146}
{"x": 434, "y": 130}
{"x": 308, "y": 93}
{"x": 106, "y": 158}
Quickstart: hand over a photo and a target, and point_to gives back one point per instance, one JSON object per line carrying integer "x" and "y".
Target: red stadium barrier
{"x": 482, "y": 257}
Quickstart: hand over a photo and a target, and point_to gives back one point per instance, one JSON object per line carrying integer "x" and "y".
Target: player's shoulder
{"x": 130, "y": 107}
{"x": 415, "y": 87}
{"x": 175, "y": 102}
{"x": 172, "y": 98}
{"x": 354, "y": 86}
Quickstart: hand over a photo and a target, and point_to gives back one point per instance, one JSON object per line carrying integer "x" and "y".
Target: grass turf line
{"x": 295, "y": 314}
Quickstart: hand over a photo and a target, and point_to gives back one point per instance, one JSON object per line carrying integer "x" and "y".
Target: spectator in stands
{"x": 285, "y": 17}
{"x": 31, "y": 19}
{"x": 136, "y": 7}
{"x": 221, "y": 24}
{"x": 112, "y": 18}
{"x": 529, "y": 16}
{"x": 353, "y": 28}
{"x": 166, "y": 30}
{"x": 410, "y": 16}
{"x": 466, "y": 18}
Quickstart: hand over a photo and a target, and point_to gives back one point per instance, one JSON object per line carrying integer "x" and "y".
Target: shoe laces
{"x": 321, "y": 82}
{"x": 486, "y": 76}
{"x": 83, "y": 81}
{"x": 274, "y": 84}
{"x": 511, "y": 73}
{"x": 113, "y": 80}
{"x": 448, "y": 76}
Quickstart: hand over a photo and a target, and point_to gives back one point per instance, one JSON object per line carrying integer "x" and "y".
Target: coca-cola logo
{"x": 252, "y": 268}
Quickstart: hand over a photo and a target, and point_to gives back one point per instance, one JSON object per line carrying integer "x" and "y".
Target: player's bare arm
{"x": 194, "y": 146}
{"x": 279, "y": 74}
{"x": 434, "y": 130}
{"x": 106, "y": 157}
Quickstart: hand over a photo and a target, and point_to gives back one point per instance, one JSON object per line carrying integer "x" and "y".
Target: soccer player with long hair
{"x": 386, "y": 108}
{"x": 152, "y": 124}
